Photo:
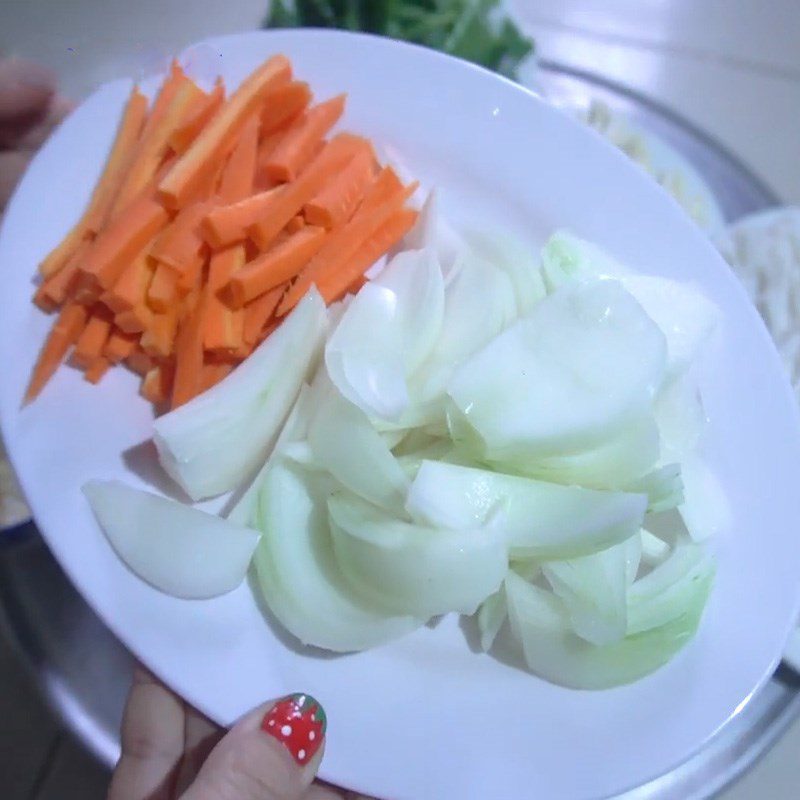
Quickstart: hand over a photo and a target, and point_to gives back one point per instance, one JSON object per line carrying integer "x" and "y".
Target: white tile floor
{"x": 730, "y": 66}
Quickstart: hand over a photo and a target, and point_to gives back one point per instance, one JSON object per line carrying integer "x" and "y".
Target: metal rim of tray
{"x": 59, "y": 637}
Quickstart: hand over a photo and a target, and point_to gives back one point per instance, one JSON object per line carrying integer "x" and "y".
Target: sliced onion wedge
{"x": 214, "y": 442}
{"x": 413, "y": 569}
{"x": 540, "y": 622}
{"x": 540, "y": 520}
{"x": 578, "y": 367}
{"x": 298, "y": 573}
{"x": 178, "y": 549}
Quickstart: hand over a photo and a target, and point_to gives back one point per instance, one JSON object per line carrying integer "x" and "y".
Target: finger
{"x": 152, "y": 742}
{"x": 12, "y": 166}
{"x": 25, "y": 89}
{"x": 273, "y": 753}
{"x": 35, "y": 137}
{"x": 200, "y": 737}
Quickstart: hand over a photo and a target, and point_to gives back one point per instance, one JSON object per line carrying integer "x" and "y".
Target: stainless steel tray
{"x": 85, "y": 671}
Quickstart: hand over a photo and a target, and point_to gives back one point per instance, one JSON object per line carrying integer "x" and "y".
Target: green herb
{"x": 475, "y": 30}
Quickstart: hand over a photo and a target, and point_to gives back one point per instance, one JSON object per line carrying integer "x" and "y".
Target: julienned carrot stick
{"x": 158, "y": 339}
{"x": 218, "y": 137}
{"x": 120, "y": 346}
{"x": 134, "y": 320}
{"x": 265, "y": 150}
{"x": 139, "y": 361}
{"x": 154, "y": 145}
{"x": 283, "y": 104}
{"x": 90, "y": 343}
{"x": 174, "y": 80}
{"x": 341, "y": 245}
{"x": 62, "y": 336}
{"x": 120, "y": 242}
{"x": 336, "y": 202}
{"x": 181, "y": 241}
{"x": 275, "y": 266}
{"x": 297, "y": 147}
{"x": 225, "y": 225}
{"x": 289, "y": 199}
{"x": 55, "y": 290}
{"x": 197, "y": 118}
{"x": 334, "y": 284}
{"x": 131, "y": 287}
{"x": 157, "y": 383}
{"x": 188, "y": 380}
{"x": 163, "y": 288}
{"x": 191, "y": 280}
{"x": 236, "y": 181}
{"x": 94, "y": 216}
{"x": 385, "y": 185}
{"x": 223, "y": 326}
{"x": 258, "y": 312}
{"x": 213, "y": 372}
{"x": 295, "y": 224}
{"x": 96, "y": 370}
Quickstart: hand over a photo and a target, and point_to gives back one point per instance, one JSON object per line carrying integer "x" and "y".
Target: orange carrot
{"x": 337, "y": 201}
{"x": 131, "y": 287}
{"x": 154, "y": 145}
{"x": 120, "y": 346}
{"x": 213, "y": 372}
{"x": 266, "y": 148}
{"x": 258, "y": 312}
{"x": 284, "y": 104}
{"x": 163, "y": 288}
{"x": 236, "y": 181}
{"x": 139, "y": 361}
{"x": 96, "y": 370}
{"x": 223, "y": 326}
{"x": 218, "y": 138}
{"x": 342, "y": 245}
{"x": 159, "y": 338}
{"x": 288, "y": 200}
{"x": 157, "y": 383}
{"x": 92, "y": 340}
{"x": 225, "y": 225}
{"x": 181, "y": 241}
{"x": 93, "y": 217}
{"x": 297, "y": 147}
{"x": 275, "y": 266}
{"x": 385, "y": 185}
{"x": 55, "y": 290}
{"x": 189, "y": 355}
{"x": 334, "y": 284}
{"x": 197, "y": 118}
{"x": 295, "y": 224}
{"x": 192, "y": 279}
{"x": 120, "y": 242}
{"x": 63, "y": 334}
{"x": 134, "y": 320}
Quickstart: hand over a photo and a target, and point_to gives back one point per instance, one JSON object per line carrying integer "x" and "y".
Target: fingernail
{"x": 298, "y": 722}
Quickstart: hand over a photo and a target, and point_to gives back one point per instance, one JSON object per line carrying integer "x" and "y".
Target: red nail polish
{"x": 298, "y": 722}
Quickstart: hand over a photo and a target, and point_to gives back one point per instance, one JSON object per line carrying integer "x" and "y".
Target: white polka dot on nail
{"x": 312, "y": 736}
{"x": 286, "y": 730}
{"x": 271, "y": 723}
{"x": 301, "y": 755}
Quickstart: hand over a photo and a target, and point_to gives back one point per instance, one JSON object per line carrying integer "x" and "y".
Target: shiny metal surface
{"x": 85, "y": 671}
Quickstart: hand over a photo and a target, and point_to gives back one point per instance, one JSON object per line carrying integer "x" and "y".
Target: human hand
{"x": 29, "y": 110}
{"x": 171, "y": 751}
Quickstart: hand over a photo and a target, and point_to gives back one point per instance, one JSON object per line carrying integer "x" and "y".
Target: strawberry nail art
{"x": 298, "y": 722}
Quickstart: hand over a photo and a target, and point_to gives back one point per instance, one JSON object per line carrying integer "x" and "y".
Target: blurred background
{"x": 730, "y": 70}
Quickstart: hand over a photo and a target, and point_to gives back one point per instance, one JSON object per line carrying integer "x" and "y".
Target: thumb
{"x": 272, "y": 753}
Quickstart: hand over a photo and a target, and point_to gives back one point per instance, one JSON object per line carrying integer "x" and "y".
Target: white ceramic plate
{"x": 426, "y": 717}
